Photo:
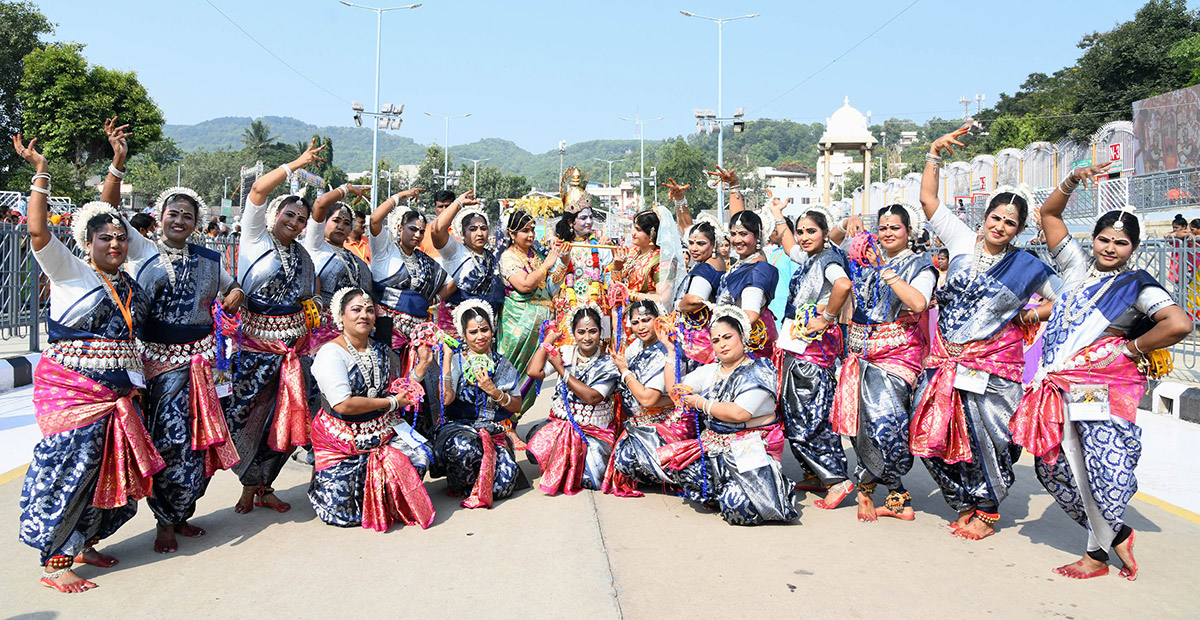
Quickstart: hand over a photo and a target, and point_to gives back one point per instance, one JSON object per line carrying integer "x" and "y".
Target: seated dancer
{"x": 888, "y": 341}
{"x": 268, "y": 414}
{"x": 1098, "y": 340}
{"x": 407, "y": 281}
{"x": 473, "y": 443}
{"x": 972, "y": 380}
{"x": 698, "y": 290}
{"x": 526, "y": 301}
{"x": 573, "y": 445}
{"x": 809, "y": 347}
{"x": 750, "y": 283}
{"x": 95, "y": 459}
{"x": 734, "y": 464}
{"x": 337, "y": 267}
{"x": 369, "y": 461}
{"x": 183, "y": 412}
{"x": 465, "y": 256}
{"x": 650, "y": 419}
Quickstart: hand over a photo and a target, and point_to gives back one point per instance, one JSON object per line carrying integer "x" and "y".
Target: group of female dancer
{"x": 162, "y": 369}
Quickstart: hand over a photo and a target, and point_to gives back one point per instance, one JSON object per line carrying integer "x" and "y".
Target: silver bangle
{"x": 839, "y": 226}
{"x": 627, "y": 372}
{"x": 41, "y": 175}
{"x": 1066, "y": 192}
{"x": 120, "y": 174}
{"x": 931, "y": 158}
{"x": 1137, "y": 348}
{"x": 829, "y": 316}
{"x": 40, "y": 190}
{"x": 286, "y": 168}
{"x": 393, "y": 403}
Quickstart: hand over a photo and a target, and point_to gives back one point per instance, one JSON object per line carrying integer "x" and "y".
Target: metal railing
{"x": 25, "y": 291}
{"x": 1162, "y": 191}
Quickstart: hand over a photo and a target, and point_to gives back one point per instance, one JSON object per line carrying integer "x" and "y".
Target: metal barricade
{"x": 1165, "y": 191}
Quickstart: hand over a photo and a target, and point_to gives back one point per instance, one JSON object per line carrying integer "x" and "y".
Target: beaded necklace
{"x": 1071, "y": 313}
{"x": 285, "y": 252}
{"x": 368, "y": 365}
{"x": 982, "y": 261}
{"x": 169, "y": 255}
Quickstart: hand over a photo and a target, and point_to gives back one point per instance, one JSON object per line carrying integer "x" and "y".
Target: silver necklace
{"x": 285, "y": 255}
{"x": 169, "y": 255}
{"x": 1072, "y": 313}
{"x": 368, "y": 365}
{"x": 583, "y": 363}
{"x": 982, "y": 257}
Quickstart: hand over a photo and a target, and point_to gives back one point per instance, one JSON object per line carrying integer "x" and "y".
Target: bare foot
{"x": 164, "y": 540}
{"x": 67, "y": 582}
{"x": 1085, "y": 568}
{"x": 189, "y": 530}
{"x": 898, "y": 506}
{"x": 975, "y": 530}
{"x": 866, "y": 508}
{"x": 837, "y": 493}
{"x": 1129, "y": 569}
{"x": 245, "y": 503}
{"x": 963, "y": 519}
{"x": 89, "y": 555}
{"x": 517, "y": 444}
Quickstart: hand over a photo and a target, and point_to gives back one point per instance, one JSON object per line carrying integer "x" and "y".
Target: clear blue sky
{"x": 537, "y": 71}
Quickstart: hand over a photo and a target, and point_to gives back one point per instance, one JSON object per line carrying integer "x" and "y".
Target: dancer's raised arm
{"x": 929, "y": 178}
{"x": 37, "y": 211}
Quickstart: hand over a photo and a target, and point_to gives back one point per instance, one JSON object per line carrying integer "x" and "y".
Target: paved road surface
{"x": 597, "y": 556}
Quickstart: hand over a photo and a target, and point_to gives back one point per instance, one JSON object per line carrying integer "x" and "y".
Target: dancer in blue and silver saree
{"x": 734, "y": 464}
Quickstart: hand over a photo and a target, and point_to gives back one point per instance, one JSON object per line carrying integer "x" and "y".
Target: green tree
{"x": 65, "y": 101}
{"x": 686, "y": 163}
{"x": 21, "y": 29}
{"x": 431, "y": 167}
{"x": 257, "y": 139}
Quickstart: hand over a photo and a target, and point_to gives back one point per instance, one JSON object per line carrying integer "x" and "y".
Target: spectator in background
{"x": 359, "y": 244}
{"x": 4, "y": 213}
{"x": 942, "y": 261}
{"x": 1179, "y": 228}
{"x": 144, "y": 224}
{"x": 1194, "y": 227}
{"x": 237, "y": 232}
{"x": 778, "y": 258}
{"x": 224, "y": 225}
{"x": 441, "y": 199}
{"x": 213, "y": 230}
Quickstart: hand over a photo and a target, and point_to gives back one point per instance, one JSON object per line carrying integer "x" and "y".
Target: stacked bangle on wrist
{"x": 120, "y": 174}
{"x": 933, "y": 158}
{"x": 286, "y": 168}
{"x": 829, "y": 316}
{"x": 40, "y": 190}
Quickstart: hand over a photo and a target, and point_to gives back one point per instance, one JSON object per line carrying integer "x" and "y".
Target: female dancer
{"x": 74, "y": 493}
{"x": 750, "y": 283}
{"x": 369, "y": 463}
{"x": 1097, "y": 337}
{"x": 650, "y": 420}
{"x": 526, "y": 301}
{"x": 481, "y": 389}
{"x": 469, "y": 263}
{"x": 183, "y": 412}
{"x": 407, "y": 280}
{"x": 268, "y": 413}
{"x": 336, "y": 266}
{"x": 573, "y": 446}
{"x": 698, "y": 291}
{"x": 972, "y": 382}
{"x": 807, "y": 350}
{"x": 639, "y": 266}
{"x": 734, "y": 464}
{"x": 887, "y": 344}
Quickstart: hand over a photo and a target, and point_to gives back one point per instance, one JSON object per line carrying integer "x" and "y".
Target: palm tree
{"x": 257, "y": 137}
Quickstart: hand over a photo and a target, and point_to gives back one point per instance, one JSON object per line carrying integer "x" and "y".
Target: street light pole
{"x": 720, "y": 114}
{"x": 475, "y": 174}
{"x": 640, "y": 124}
{"x": 446, "y": 147}
{"x": 610, "y": 162}
{"x": 378, "y": 51}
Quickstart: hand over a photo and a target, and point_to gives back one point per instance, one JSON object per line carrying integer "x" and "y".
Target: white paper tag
{"x": 409, "y": 435}
{"x": 749, "y": 453}
{"x": 1088, "y": 403}
{"x": 970, "y": 380}
{"x": 224, "y": 389}
{"x": 136, "y": 378}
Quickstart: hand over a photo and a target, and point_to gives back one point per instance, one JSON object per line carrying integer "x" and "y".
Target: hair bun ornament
{"x": 460, "y": 311}
{"x": 918, "y": 221}
{"x": 171, "y": 192}
{"x": 462, "y": 216}
{"x": 396, "y": 218}
{"x": 337, "y": 304}
{"x": 1127, "y": 210}
{"x": 1022, "y": 191}
{"x": 275, "y": 205}
{"x": 823, "y": 210}
{"x": 719, "y": 229}
{"x": 80, "y": 219}
{"x": 859, "y": 245}
{"x": 738, "y": 315}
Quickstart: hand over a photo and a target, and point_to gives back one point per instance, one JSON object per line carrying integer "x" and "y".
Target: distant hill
{"x": 765, "y": 142}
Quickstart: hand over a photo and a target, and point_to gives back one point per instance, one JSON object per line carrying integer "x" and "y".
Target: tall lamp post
{"x": 610, "y": 162}
{"x": 720, "y": 135}
{"x": 446, "y": 160}
{"x": 639, "y": 123}
{"x": 378, "y": 49}
{"x": 475, "y": 174}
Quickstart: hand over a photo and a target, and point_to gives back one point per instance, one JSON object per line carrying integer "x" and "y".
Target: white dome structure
{"x": 846, "y": 130}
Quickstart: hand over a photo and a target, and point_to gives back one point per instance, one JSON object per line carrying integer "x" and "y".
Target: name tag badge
{"x": 1088, "y": 403}
{"x": 224, "y": 389}
{"x": 749, "y": 454}
{"x": 970, "y": 380}
{"x": 136, "y": 378}
{"x": 409, "y": 435}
